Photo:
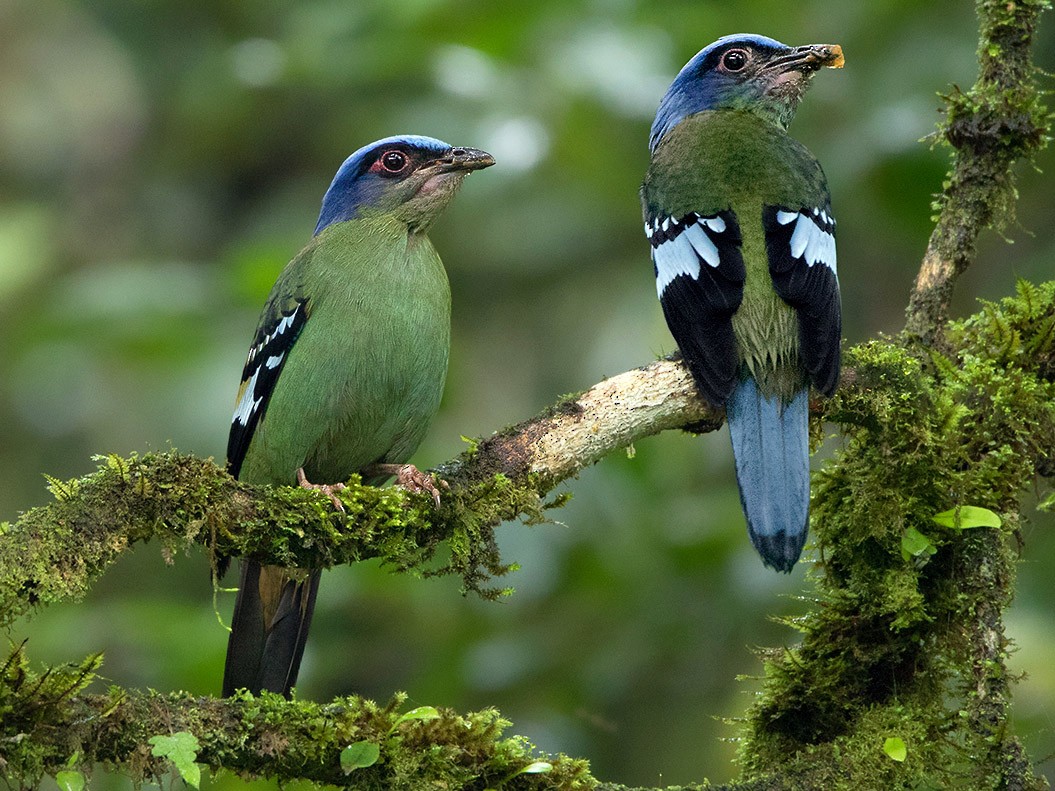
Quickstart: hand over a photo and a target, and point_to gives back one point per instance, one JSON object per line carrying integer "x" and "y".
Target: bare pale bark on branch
{"x": 583, "y": 429}
{"x": 800, "y": 734}
{"x": 615, "y": 413}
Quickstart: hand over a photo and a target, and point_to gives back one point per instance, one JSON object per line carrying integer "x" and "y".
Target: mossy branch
{"x": 997, "y": 123}
{"x": 54, "y": 552}
{"x": 46, "y": 722}
{"x": 906, "y": 638}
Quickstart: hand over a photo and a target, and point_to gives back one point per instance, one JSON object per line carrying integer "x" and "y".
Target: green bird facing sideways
{"x": 345, "y": 371}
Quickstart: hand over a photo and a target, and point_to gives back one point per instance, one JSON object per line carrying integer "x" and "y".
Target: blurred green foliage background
{"x": 160, "y": 161}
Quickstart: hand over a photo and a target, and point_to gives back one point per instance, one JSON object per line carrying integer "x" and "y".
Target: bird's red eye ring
{"x": 734, "y": 59}
{"x": 393, "y": 161}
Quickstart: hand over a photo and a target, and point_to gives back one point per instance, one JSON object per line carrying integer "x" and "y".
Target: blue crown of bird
{"x": 413, "y": 176}
{"x": 742, "y": 236}
{"x": 345, "y": 372}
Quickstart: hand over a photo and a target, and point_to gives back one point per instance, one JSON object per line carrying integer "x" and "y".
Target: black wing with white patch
{"x": 800, "y": 243}
{"x": 700, "y": 282}
{"x": 275, "y": 336}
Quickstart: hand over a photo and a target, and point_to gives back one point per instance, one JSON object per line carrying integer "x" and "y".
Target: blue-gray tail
{"x": 771, "y": 450}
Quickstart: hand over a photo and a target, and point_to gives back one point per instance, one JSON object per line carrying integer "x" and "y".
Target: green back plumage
{"x": 364, "y": 378}
{"x": 742, "y": 238}
{"x": 734, "y": 159}
{"x": 720, "y": 156}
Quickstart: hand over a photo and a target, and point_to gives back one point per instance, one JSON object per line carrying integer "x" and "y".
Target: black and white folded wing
{"x": 700, "y": 282}
{"x": 280, "y": 325}
{"x": 800, "y": 244}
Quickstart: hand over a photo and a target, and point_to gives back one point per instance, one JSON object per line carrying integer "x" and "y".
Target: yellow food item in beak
{"x": 836, "y": 58}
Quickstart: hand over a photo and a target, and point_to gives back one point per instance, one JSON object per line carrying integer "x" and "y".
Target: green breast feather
{"x": 365, "y": 376}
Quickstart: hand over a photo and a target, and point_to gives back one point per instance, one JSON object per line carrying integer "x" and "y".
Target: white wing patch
{"x": 716, "y": 224}
{"x": 702, "y": 244}
{"x": 247, "y": 404}
{"x": 813, "y": 239}
{"x": 674, "y": 258}
{"x": 277, "y": 346}
{"x": 284, "y": 324}
{"x": 680, "y": 247}
{"x": 268, "y": 354}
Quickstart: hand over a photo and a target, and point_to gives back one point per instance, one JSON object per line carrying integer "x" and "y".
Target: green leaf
{"x": 61, "y": 490}
{"x": 420, "y": 713}
{"x": 359, "y": 756}
{"x": 967, "y": 516}
{"x": 191, "y": 774}
{"x": 915, "y": 544}
{"x": 115, "y": 463}
{"x": 534, "y": 768}
{"x": 70, "y": 780}
{"x": 1048, "y": 503}
{"x": 895, "y": 748}
{"x": 537, "y": 768}
{"x": 182, "y": 749}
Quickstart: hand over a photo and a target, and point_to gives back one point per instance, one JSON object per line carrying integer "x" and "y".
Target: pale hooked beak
{"x": 465, "y": 159}
{"x": 810, "y": 58}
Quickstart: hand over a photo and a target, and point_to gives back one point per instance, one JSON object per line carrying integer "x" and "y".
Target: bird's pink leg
{"x": 410, "y": 478}
{"x": 329, "y": 489}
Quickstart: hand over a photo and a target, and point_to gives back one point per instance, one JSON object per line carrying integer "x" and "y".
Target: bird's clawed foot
{"x": 412, "y": 479}
{"x": 329, "y": 489}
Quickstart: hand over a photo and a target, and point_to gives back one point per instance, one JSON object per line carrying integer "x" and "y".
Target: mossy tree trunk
{"x": 900, "y": 680}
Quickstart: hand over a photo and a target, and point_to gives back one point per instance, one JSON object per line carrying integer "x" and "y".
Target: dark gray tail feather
{"x": 267, "y": 656}
{"x": 771, "y": 450}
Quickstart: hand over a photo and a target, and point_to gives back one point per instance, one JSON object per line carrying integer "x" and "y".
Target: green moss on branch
{"x": 46, "y": 721}
{"x": 999, "y": 121}
{"x": 54, "y": 552}
{"x": 908, "y": 642}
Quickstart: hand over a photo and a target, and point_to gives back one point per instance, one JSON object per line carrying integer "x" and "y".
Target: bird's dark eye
{"x": 393, "y": 161}
{"x": 734, "y": 59}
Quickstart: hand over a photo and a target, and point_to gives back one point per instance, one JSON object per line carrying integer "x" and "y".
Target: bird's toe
{"x": 414, "y": 480}
{"x": 329, "y": 489}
